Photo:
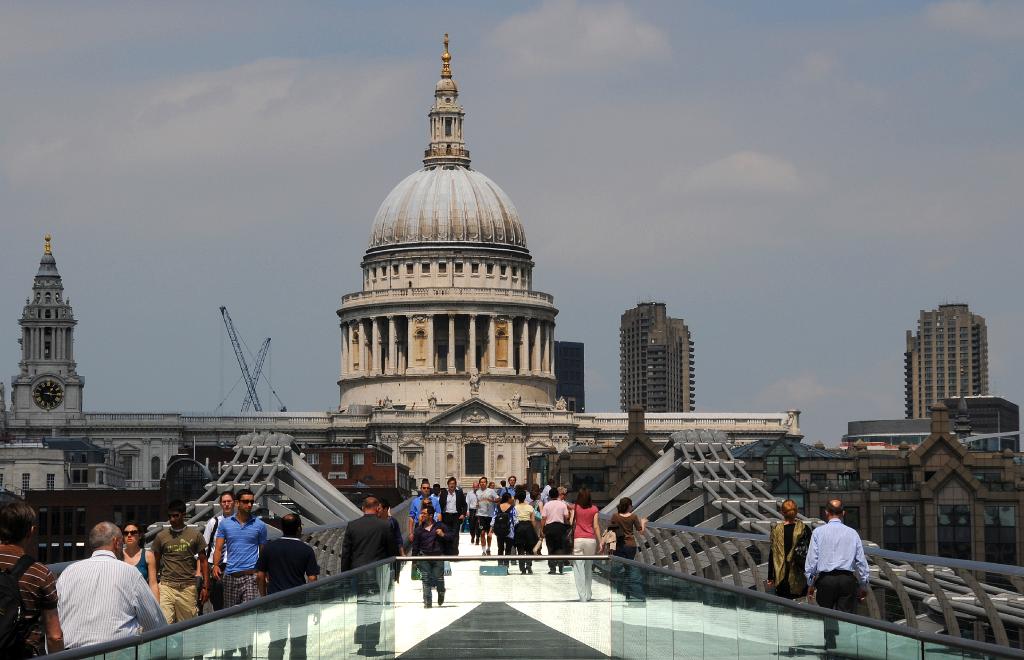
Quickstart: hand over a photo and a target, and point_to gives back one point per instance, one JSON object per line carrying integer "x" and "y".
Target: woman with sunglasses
{"x": 135, "y": 553}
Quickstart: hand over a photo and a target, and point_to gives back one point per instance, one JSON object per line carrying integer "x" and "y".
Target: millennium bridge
{"x": 702, "y": 592}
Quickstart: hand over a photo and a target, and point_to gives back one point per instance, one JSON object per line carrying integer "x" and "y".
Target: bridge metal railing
{"x": 923, "y": 592}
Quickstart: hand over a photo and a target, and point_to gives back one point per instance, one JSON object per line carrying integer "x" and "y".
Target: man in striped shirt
{"x": 103, "y": 598}
{"x": 38, "y": 591}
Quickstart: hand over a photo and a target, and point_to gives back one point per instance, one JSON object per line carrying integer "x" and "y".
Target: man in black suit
{"x": 453, "y": 511}
{"x": 367, "y": 540}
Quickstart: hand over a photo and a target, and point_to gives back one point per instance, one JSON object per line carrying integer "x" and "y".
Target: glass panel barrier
{"x": 659, "y": 614}
{"x": 341, "y": 616}
{"x": 533, "y": 607}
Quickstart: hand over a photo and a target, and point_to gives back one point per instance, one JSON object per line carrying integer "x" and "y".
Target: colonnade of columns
{"x": 400, "y": 344}
{"x": 34, "y": 342}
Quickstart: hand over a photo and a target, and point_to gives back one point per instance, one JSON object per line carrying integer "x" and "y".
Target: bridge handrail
{"x": 982, "y": 648}
{"x": 869, "y": 550}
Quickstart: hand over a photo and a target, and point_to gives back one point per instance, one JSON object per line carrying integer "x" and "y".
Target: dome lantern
{"x": 447, "y": 147}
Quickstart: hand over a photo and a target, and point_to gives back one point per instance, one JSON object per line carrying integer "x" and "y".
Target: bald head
{"x": 106, "y": 536}
{"x": 834, "y": 508}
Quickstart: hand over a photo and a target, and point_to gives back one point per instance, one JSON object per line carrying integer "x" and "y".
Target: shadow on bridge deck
{"x": 490, "y": 613}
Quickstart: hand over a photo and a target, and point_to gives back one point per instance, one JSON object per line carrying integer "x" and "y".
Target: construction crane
{"x": 250, "y": 382}
{"x": 257, "y": 371}
{"x": 251, "y": 378}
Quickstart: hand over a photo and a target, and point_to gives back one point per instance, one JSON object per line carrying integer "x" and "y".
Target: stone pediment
{"x": 540, "y": 447}
{"x": 475, "y": 412}
{"x": 410, "y": 445}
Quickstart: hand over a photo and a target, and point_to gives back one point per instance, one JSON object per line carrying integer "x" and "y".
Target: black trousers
{"x": 526, "y": 539}
{"x": 837, "y": 591}
{"x": 474, "y": 527}
{"x": 554, "y": 538}
{"x": 505, "y": 547}
{"x": 451, "y": 521}
{"x": 216, "y": 589}
{"x": 368, "y": 609}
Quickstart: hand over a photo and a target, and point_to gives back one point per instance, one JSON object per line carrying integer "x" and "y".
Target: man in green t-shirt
{"x": 179, "y": 553}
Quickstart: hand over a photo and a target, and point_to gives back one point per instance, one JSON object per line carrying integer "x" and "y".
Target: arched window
{"x": 154, "y": 468}
{"x": 474, "y": 452}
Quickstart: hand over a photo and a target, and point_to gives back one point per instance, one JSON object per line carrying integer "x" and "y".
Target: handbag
{"x": 800, "y": 549}
{"x": 610, "y": 540}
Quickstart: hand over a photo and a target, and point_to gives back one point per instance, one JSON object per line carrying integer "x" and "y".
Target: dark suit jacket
{"x": 367, "y": 539}
{"x": 460, "y": 502}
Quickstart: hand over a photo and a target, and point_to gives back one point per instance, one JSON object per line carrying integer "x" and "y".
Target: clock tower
{"x": 47, "y": 387}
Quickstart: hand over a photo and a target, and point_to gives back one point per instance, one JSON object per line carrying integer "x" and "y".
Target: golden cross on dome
{"x": 46, "y": 244}
{"x": 446, "y": 58}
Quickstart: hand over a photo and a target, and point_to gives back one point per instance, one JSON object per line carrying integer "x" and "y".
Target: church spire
{"x": 447, "y": 147}
{"x": 48, "y": 381}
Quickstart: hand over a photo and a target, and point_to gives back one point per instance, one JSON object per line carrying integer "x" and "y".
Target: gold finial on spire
{"x": 446, "y": 58}
{"x": 46, "y": 244}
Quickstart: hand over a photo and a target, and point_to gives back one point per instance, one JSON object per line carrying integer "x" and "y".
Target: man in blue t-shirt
{"x": 417, "y": 504}
{"x": 285, "y": 563}
{"x": 243, "y": 536}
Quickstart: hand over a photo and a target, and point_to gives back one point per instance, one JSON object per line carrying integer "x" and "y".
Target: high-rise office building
{"x": 946, "y": 358}
{"x": 569, "y": 375}
{"x": 655, "y": 360}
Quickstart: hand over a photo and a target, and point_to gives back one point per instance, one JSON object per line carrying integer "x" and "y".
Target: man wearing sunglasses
{"x": 243, "y": 536}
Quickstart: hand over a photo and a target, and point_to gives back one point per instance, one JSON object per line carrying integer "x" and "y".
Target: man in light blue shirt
{"x": 837, "y": 572}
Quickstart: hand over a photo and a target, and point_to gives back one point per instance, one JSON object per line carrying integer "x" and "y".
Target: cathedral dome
{"x": 447, "y": 205}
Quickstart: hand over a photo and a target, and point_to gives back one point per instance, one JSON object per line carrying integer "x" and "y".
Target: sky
{"x": 796, "y": 180}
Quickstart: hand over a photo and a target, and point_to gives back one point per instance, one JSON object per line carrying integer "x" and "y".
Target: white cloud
{"x": 800, "y": 391}
{"x": 993, "y": 20}
{"x": 745, "y": 172}
{"x": 31, "y": 30}
{"x": 272, "y": 111}
{"x": 815, "y": 67}
{"x": 565, "y": 36}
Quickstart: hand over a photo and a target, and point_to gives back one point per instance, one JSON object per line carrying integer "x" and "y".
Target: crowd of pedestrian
{"x": 125, "y": 588}
{"x": 520, "y": 521}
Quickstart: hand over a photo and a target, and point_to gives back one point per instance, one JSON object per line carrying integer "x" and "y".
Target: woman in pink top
{"x": 585, "y": 541}
{"x": 556, "y": 519}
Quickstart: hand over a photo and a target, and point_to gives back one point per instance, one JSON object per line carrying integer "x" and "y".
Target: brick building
{"x": 361, "y": 467}
{"x": 64, "y": 517}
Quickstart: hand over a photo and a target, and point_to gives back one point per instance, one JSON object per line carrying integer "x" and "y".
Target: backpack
{"x": 502, "y": 522}
{"x": 12, "y": 606}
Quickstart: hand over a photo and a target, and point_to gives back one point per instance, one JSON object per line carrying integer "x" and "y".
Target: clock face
{"x": 48, "y": 394}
